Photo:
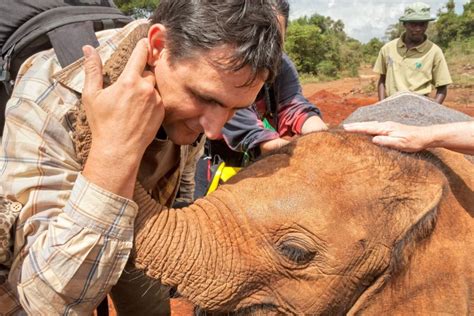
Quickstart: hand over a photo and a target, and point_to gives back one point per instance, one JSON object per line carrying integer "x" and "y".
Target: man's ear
{"x": 156, "y": 41}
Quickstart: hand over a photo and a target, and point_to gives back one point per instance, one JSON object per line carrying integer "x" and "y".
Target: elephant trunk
{"x": 193, "y": 248}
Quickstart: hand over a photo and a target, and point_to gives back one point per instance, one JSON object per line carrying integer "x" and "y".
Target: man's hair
{"x": 283, "y": 8}
{"x": 250, "y": 26}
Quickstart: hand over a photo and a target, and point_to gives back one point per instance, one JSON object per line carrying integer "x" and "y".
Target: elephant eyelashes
{"x": 296, "y": 254}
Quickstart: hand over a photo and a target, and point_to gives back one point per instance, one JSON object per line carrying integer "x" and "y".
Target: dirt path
{"x": 337, "y": 99}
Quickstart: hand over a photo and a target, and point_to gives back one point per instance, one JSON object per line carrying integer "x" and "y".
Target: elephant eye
{"x": 296, "y": 254}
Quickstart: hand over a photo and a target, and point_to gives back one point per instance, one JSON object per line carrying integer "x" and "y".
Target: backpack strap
{"x": 28, "y": 38}
{"x": 68, "y": 40}
{"x": 271, "y": 103}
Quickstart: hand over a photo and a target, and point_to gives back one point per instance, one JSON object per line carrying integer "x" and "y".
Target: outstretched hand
{"x": 395, "y": 135}
{"x": 126, "y": 115}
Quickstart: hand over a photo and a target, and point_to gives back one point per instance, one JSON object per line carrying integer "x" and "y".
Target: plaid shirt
{"x": 72, "y": 238}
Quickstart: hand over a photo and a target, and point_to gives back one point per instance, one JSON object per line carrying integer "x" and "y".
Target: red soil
{"x": 336, "y": 108}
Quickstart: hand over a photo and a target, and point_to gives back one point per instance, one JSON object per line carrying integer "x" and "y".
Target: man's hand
{"x": 394, "y": 135}
{"x": 124, "y": 118}
{"x": 313, "y": 124}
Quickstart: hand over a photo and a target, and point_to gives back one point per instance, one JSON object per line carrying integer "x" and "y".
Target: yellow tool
{"x": 223, "y": 173}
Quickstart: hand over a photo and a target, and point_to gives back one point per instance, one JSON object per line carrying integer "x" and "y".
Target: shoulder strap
{"x": 271, "y": 103}
{"x": 68, "y": 40}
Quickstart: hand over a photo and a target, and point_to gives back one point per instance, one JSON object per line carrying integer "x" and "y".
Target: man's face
{"x": 200, "y": 96}
{"x": 415, "y": 31}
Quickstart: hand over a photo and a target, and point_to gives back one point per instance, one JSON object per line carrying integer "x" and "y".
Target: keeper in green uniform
{"x": 412, "y": 62}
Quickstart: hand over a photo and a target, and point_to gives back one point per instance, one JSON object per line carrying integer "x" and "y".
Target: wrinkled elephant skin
{"x": 330, "y": 224}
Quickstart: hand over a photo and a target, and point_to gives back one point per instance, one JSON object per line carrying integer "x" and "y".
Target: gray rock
{"x": 407, "y": 108}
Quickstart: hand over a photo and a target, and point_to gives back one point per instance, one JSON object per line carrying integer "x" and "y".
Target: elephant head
{"x": 313, "y": 228}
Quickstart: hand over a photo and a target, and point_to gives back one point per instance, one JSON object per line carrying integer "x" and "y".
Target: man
{"x": 412, "y": 62}
{"x": 191, "y": 67}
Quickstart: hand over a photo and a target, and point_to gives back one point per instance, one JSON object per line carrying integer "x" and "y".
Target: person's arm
{"x": 296, "y": 115}
{"x": 381, "y": 88}
{"x": 313, "y": 124}
{"x": 273, "y": 144}
{"x": 75, "y": 232}
{"x": 441, "y": 76}
{"x": 454, "y": 136}
{"x": 380, "y": 67}
{"x": 74, "y": 237}
{"x": 244, "y": 131}
{"x": 441, "y": 93}
{"x": 123, "y": 119}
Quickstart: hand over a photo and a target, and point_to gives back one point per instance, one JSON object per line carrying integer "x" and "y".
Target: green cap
{"x": 417, "y": 12}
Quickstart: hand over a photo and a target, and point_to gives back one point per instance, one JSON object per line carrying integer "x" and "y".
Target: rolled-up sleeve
{"x": 380, "y": 66}
{"x": 73, "y": 238}
{"x": 293, "y": 108}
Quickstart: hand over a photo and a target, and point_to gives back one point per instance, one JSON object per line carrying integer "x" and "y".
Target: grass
{"x": 310, "y": 78}
{"x": 460, "y": 59}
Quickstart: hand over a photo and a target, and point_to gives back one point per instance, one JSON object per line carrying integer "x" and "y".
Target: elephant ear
{"x": 409, "y": 215}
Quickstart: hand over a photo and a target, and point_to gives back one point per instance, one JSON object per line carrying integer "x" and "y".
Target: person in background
{"x": 265, "y": 128}
{"x": 279, "y": 113}
{"x": 412, "y": 62}
{"x": 454, "y": 136}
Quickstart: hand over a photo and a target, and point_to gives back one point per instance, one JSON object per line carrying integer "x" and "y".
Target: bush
{"x": 327, "y": 68}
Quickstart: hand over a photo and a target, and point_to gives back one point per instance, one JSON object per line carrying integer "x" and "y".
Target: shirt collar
{"x": 72, "y": 76}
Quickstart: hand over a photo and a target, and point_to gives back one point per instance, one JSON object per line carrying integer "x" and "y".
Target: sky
{"x": 363, "y": 19}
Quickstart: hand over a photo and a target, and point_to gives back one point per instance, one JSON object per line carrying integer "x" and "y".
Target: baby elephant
{"x": 330, "y": 224}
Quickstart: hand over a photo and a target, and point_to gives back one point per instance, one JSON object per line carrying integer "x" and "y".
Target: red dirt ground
{"x": 337, "y": 99}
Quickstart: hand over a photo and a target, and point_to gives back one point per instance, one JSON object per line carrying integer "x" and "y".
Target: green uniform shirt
{"x": 416, "y": 69}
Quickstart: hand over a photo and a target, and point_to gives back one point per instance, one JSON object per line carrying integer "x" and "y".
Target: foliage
{"x": 460, "y": 56}
{"x": 452, "y": 27}
{"x": 327, "y": 68}
{"x": 137, "y": 8}
{"x": 319, "y": 46}
{"x": 371, "y": 50}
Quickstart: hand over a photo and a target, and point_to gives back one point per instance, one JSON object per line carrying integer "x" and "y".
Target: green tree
{"x": 318, "y": 45}
{"x": 447, "y": 25}
{"x": 303, "y": 44}
{"x": 467, "y": 21}
{"x": 137, "y": 8}
{"x": 371, "y": 50}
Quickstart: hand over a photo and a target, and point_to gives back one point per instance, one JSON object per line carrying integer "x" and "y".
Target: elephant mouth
{"x": 254, "y": 310}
